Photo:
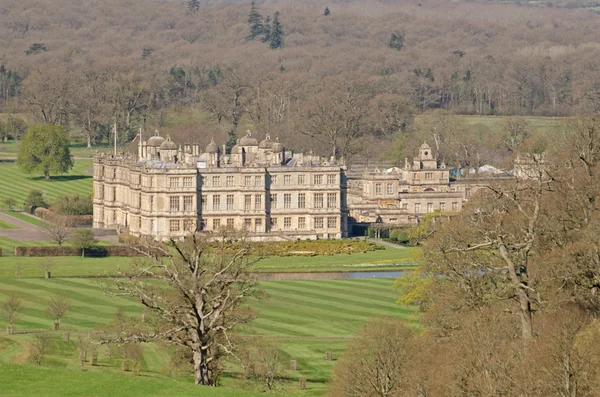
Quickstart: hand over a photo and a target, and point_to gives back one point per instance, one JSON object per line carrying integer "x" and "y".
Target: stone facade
{"x": 169, "y": 190}
{"x": 403, "y": 196}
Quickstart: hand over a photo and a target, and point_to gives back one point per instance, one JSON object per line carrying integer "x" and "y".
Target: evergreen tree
{"x": 45, "y": 149}
{"x": 36, "y": 48}
{"x": 397, "y": 41}
{"x": 267, "y": 31}
{"x": 326, "y": 12}
{"x": 193, "y": 5}
{"x": 256, "y": 23}
{"x": 276, "y": 33}
{"x": 231, "y": 141}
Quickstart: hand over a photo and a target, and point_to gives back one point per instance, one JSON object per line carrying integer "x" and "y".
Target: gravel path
{"x": 25, "y": 232}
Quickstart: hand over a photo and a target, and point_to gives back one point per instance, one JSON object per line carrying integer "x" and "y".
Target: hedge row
{"x": 66, "y": 220}
{"x": 308, "y": 247}
{"x": 93, "y": 252}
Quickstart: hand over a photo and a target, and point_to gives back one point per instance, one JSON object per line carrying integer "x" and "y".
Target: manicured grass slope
{"x": 8, "y": 248}
{"x": 314, "y": 309}
{"x": 535, "y": 124}
{"x": 307, "y": 318}
{"x": 17, "y": 184}
{"x": 11, "y": 148}
{"x": 387, "y": 256}
{"x": 325, "y": 309}
{"x": 76, "y": 266}
{"x": 64, "y": 266}
{"x": 21, "y": 381}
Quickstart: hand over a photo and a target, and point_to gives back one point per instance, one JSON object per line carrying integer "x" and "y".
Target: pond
{"x": 279, "y": 276}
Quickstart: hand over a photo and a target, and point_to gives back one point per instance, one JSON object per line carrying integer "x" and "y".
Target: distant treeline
{"x": 335, "y": 78}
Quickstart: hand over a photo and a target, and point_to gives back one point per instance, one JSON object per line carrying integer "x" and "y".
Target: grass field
{"x": 379, "y": 259}
{"x": 10, "y": 149}
{"x": 20, "y": 380}
{"x": 307, "y": 318}
{"x": 17, "y": 184}
{"x": 535, "y": 124}
{"x": 65, "y": 266}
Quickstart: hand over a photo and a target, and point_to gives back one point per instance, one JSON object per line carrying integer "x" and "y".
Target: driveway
{"x": 25, "y": 232}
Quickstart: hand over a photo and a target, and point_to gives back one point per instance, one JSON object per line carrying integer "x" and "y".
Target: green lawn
{"x": 21, "y": 381}
{"x": 387, "y": 258}
{"x": 8, "y": 248}
{"x": 10, "y": 149}
{"x": 17, "y": 184}
{"x": 65, "y": 266}
{"x": 536, "y": 124}
{"x": 5, "y": 225}
{"x": 307, "y": 318}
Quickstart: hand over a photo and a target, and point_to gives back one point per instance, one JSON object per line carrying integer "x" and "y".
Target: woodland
{"x": 349, "y": 81}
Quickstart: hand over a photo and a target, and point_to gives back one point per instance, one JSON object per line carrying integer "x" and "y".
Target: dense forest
{"x": 331, "y": 77}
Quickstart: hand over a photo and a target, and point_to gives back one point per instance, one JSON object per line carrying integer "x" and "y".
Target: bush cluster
{"x": 66, "y": 220}
{"x": 93, "y": 252}
{"x": 307, "y": 247}
{"x": 73, "y": 205}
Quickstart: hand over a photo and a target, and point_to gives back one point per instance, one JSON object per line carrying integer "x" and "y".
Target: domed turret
{"x": 248, "y": 140}
{"x": 212, "y": 147}
{"x": 265, "y": 143}
{"x": 237, "y": 149}
{"x": 278, "y": 153}
{"x": 168, "y": 144}
{"x": 277, "y": 147}
{"x": 238, "y": 155}
{"x": 156, "y": 140}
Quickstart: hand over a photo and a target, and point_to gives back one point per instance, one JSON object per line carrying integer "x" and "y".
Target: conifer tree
{"x": 397, "y": 40}
{"x": 193, "y": 5}
{"x": 326, "y": 12}
{"x": 256, "y": 23}
{"x": 267, "y": 30}
{"x": 276, "y": 33}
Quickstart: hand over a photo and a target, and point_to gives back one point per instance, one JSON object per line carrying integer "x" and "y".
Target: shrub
{"x": 83, "y": 239}
{"x": 66, "y": 220}
{"x": 35, "y": 199}
{"x": 73, "y": 205}
{"x": 95, "y": 252}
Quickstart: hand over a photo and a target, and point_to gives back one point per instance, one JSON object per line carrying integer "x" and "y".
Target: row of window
{"x": 257, "y": 180}
{"x": 430, "y": 208}
{"x": 389, "y": 188}
{"x": 249, "y": 180}
{"x": 186, "y": 181}
{"x": 175, "y": 203}
{"x": 282, "y": 223}
{"x": 179, "y": 225}
{"x": 318, "y": 201}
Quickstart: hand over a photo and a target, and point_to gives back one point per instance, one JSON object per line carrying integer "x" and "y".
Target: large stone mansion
{"x": 403, "y": 196}
{"x": 169, "y": 190}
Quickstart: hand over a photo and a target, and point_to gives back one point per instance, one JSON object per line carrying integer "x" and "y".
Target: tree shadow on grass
{"x": 61, "y": 178}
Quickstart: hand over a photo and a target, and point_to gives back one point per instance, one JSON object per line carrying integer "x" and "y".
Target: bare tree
{"x": 10, "y": 310}
{"x": 58, "y": 306}
{"x": 39, "y": 348}
{"x": 496, "y": 234}
{"x": 336, "y": 116}
{"x": 47, "y": 92}
{"x": 197, "y": 302}
{"x": 46, "y": 264}
{"x": 262, "y": 360}
{"x": 57, "y": 231}
{"x": 376, "y": 363}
